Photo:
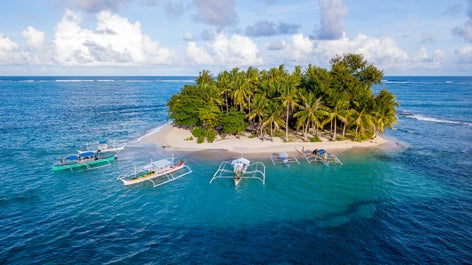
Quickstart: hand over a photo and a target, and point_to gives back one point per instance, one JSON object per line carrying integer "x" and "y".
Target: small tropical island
{"x": 256, "y": 111}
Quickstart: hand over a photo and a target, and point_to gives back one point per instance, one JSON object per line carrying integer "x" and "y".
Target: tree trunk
{"x": 226, "y": 101}
{"x": 331, "y": 126}
{"x": 286, "y": 125}
{"x": 335, "y": 131}
{"x": 249, "y": 105}
{"x": 306, "y": 130}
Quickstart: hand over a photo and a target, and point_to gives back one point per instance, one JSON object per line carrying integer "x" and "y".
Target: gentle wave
{"x": 395, "y": 82}
{"x": 100, "y": 79}
{"x": 152, "y": 131}
{"x": 73, "y": 80}
{"x": 178, "y": 81}
{"x": 431, "y": 119}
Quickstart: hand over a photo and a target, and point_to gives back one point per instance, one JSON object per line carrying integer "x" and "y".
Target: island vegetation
{"x": 338, "y": 103}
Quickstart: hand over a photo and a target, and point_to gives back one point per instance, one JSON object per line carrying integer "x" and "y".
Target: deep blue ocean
{"x": 410, "y": 205}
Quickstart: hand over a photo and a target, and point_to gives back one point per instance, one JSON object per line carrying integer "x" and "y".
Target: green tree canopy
{"x": 317, "y": 100}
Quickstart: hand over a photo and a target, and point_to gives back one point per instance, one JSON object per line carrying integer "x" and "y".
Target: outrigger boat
{"x": 283, "y": 158}
{"x": 240, "y": 168}
{"x": 83, "y": 160}
{"x": 106, "y": 149}
{"x": 319, "y": 155}
{"x": 158, "y": 172}
{"x": 86, "y": 159}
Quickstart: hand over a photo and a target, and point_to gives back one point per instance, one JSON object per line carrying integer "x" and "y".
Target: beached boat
{"x": 319, "y": 155}
{"x": 83, "y": 160}
{"x": 158, "y": 172}
{"x": 240, "y": 168}
{"x": 283, "y": 158}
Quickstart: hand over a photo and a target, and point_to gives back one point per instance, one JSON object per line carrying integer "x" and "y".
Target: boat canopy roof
{"x": 71, "y": 157}
{"x": 158, "y": 163}
{"x": 86, "y": 154}
{"x": 241, "y": 160}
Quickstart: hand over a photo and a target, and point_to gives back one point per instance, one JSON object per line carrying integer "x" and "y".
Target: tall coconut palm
{"x": 251, "y": 81}
{"x": 309, "y": 112}
{"x": 224, "y": 87}
{"x": 365, "y": 125}
{"x": 338, "y": 112}
{"x": 384, "y": 111}
{"x": 240, "y": 91}
{"x": 289, "y": 96}
{"x": 205, "y": 78}
{"x": 272, "y": 117}
{"x": 211, "y": 94}
{"x": 258, "y": 110}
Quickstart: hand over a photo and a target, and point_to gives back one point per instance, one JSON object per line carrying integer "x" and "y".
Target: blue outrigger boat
{"x": 86, "y": 159}
{"x": 320, "y": 155}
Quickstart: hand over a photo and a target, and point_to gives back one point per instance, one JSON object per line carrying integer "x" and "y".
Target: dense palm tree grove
{"x": 338, "y": 103}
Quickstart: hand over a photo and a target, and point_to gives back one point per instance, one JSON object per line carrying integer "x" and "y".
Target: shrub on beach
{"x": 211, "y": 136}
{"x": 201, "y": 133}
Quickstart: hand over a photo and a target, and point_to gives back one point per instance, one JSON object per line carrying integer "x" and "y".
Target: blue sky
{"x": 178, "y": 37}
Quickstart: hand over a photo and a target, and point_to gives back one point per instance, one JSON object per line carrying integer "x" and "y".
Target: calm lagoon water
{"x": 410, "y": 205}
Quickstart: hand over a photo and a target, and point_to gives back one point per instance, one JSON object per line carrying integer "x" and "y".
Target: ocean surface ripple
{"x": 402, "y": 206}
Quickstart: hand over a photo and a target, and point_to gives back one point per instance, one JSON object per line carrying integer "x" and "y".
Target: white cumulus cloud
{"x": 383, "y": 52}
{"x": 39, "y": 51}
{"x": 464, "y": 54}
{"x": 237, "y": 50}
{"x": 114, "y": 41}
{"x": 198, "y": 55}
{"x": 234, "y": 51}
{"x": 300, "y": 50}
{"x": 34, "y": 38}
{"x": 11, "y": 53}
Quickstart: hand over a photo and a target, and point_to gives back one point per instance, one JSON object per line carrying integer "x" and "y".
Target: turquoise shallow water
{"x": 411, "y": 205}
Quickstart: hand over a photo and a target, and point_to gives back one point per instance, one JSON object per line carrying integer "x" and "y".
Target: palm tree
{"x": 384, "y": 111}
{"x": 210, "y": 94}
{"x": 259, "y": 106}
{"x": 364, "y": 122}
{"x": 309, "y": 112}
{"x": 338, "y": 112}
{"x": 251, "y": 81}
{"x": 224, "y": 86}
{"x": 272, "y": 117}
{"x": 205, "y": 78}
{"x": 240, "y": 91}
{"x": 289, "y": 96}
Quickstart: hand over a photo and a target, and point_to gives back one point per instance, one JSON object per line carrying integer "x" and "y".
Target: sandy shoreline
{"x": 173, "y": 138}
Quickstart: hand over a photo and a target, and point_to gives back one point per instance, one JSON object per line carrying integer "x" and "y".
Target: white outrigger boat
{"x": 319, "y": 155}
{"x": 105, "y": 149}
{"x": 240, "y": 168}
{"x": 283, "y": 158}
{"x": 158, "y": 172}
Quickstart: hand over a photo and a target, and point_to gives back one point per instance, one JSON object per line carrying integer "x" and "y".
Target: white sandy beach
{"x": 173, "y": 138}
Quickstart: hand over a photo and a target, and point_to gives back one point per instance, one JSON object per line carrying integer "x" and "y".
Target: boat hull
{"x": 84, "y": 165}
{"x": 152, "y": 175}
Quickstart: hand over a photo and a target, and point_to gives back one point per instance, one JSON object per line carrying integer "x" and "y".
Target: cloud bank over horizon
{"x": 186, "y": 38}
